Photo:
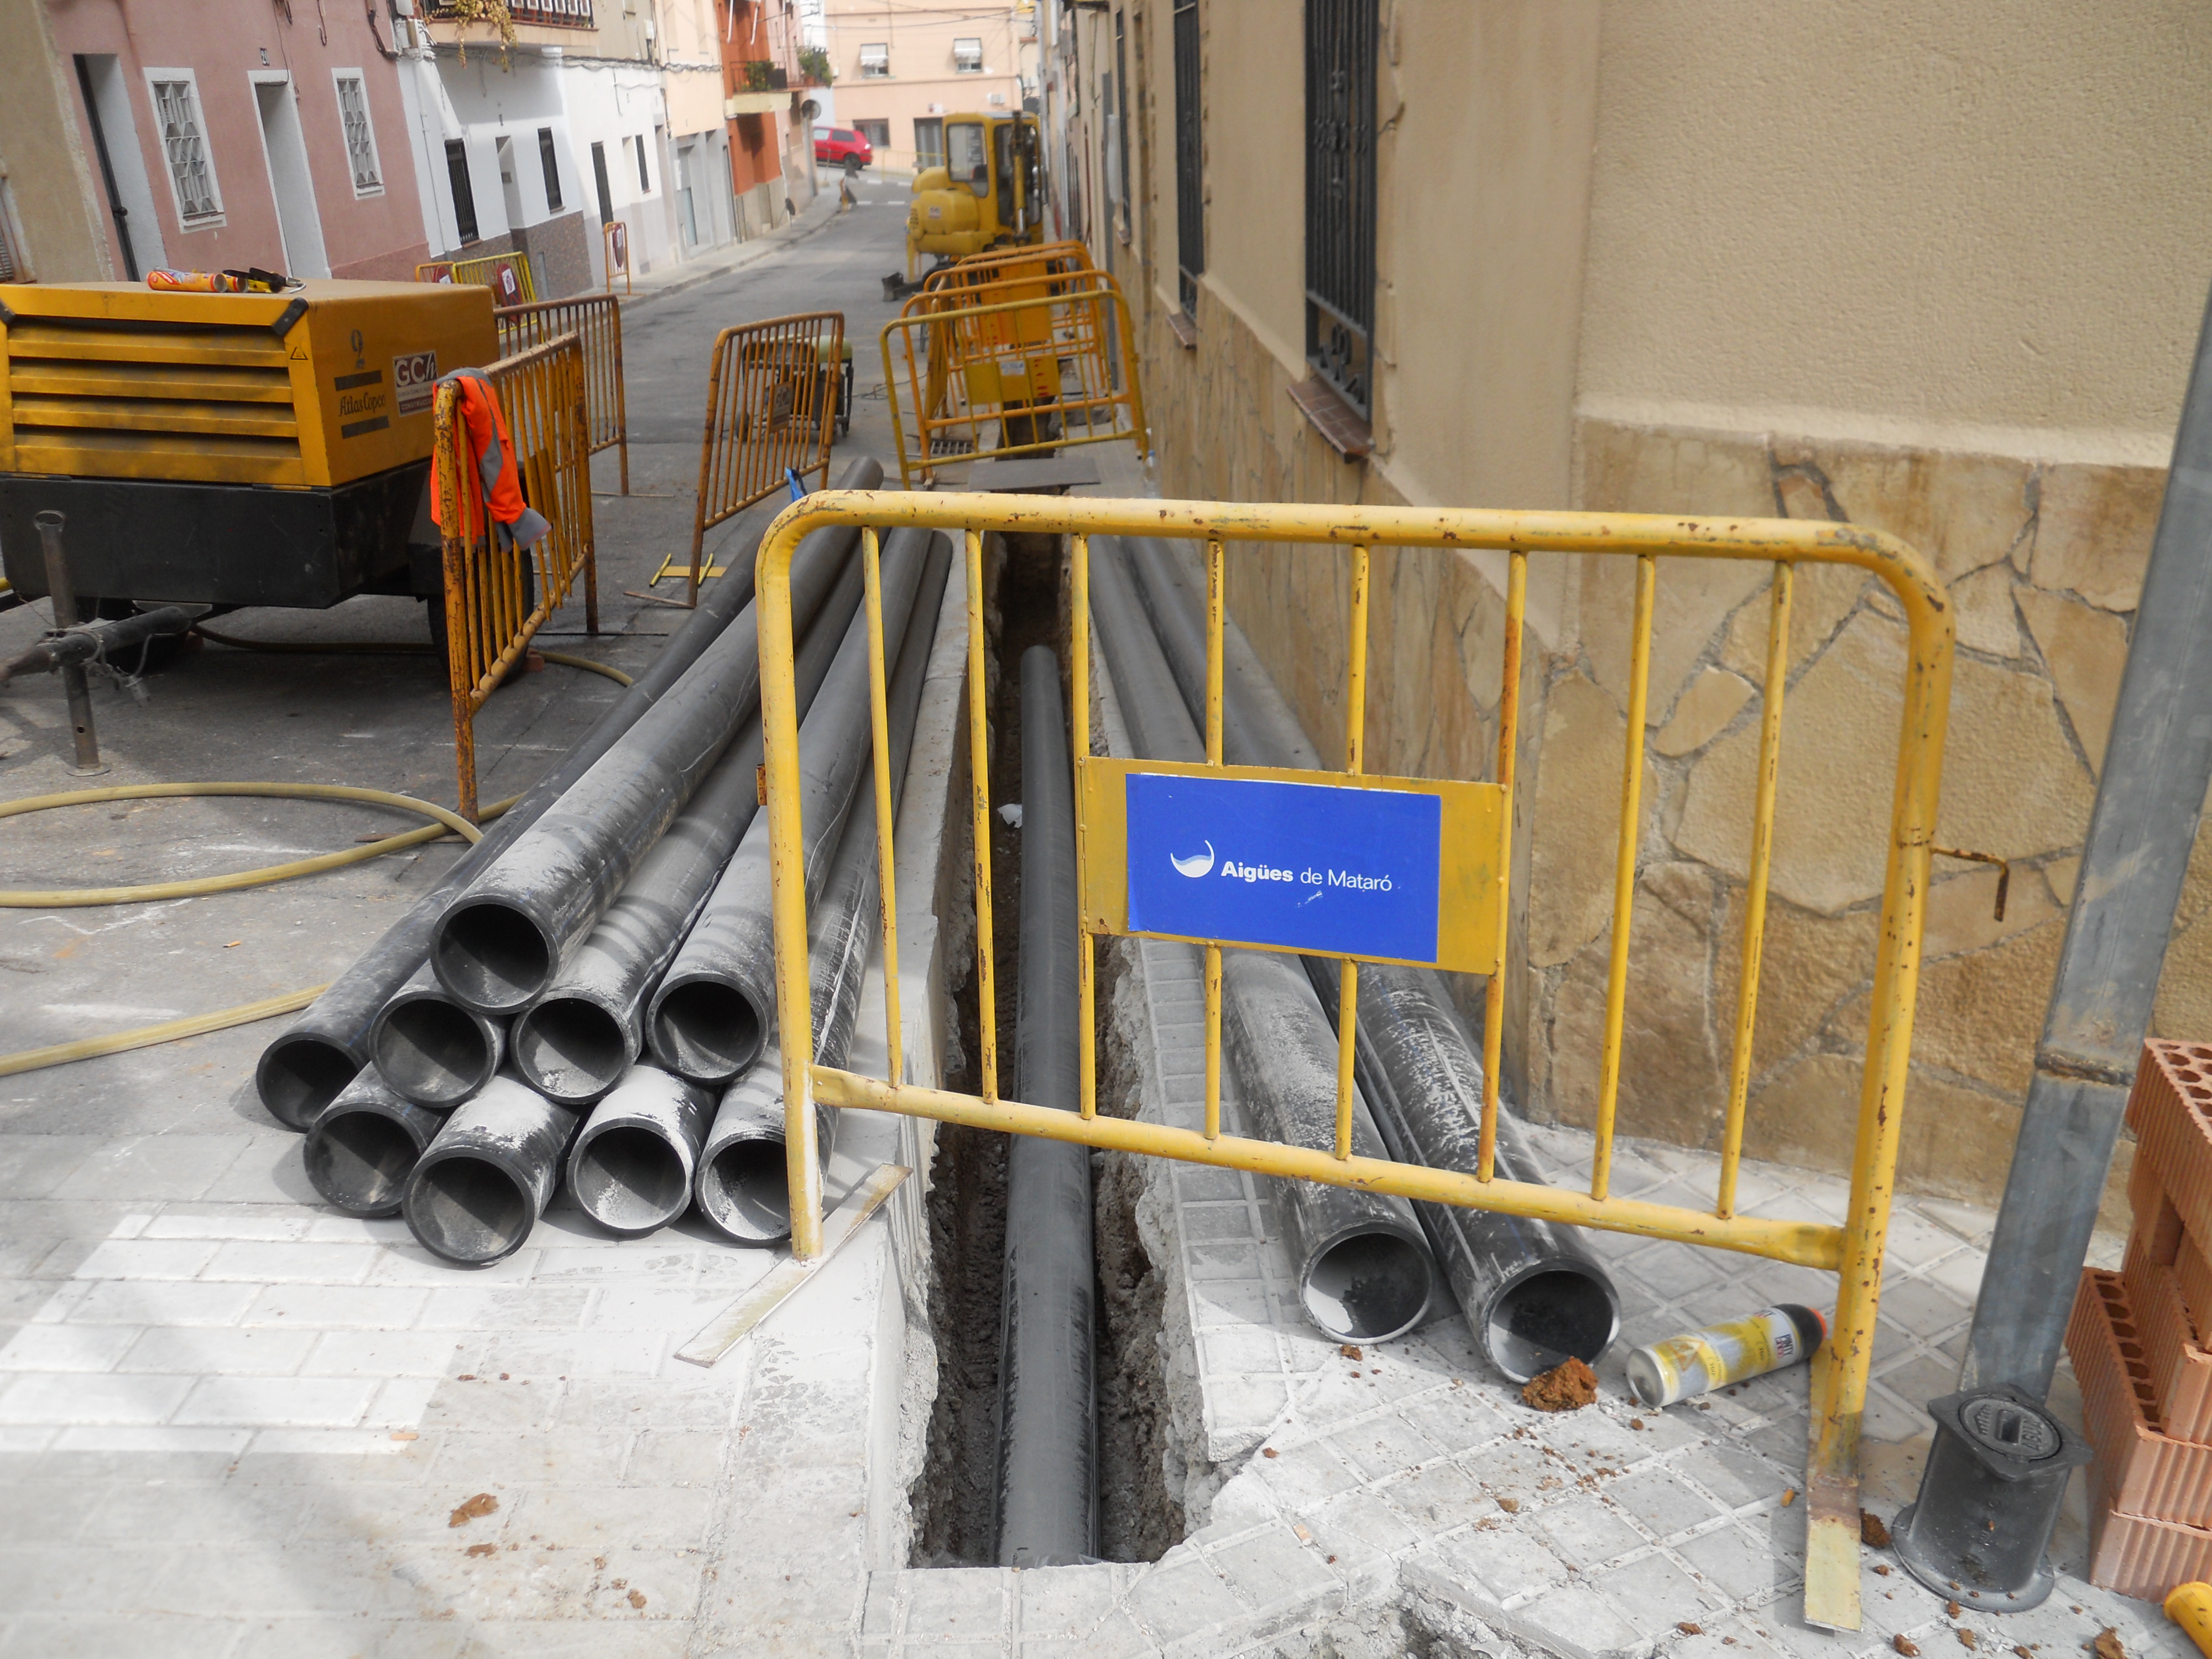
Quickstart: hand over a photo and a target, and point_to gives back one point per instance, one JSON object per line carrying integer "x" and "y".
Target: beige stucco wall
{"x": 57, "y": 206}
{"x": 1916, "y": 268}
{"x": 1925, "y": 216}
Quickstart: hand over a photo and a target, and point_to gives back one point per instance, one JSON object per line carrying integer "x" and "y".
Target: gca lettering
{"x": 1256, "y": 871}
{"x": 1353, "y": 878}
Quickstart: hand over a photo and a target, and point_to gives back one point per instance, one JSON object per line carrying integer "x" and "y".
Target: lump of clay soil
{"x": 1872, "y": 1533}
{"x": 1567, "y": 1387}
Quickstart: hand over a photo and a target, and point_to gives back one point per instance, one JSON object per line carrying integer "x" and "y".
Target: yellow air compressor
{"x": 227, "y": 449}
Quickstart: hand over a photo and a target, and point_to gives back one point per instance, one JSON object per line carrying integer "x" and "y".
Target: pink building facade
{"x": 222, "y": 135}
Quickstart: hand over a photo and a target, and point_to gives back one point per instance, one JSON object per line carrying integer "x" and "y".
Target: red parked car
{"x": 842, "y": 146}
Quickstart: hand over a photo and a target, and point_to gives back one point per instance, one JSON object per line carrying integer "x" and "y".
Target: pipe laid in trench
{"x": 632, "y": 1162}
{"x": 744, "y": 1184}
{"x": 501, "y": 940}
{"x": 430, "y": 1049}
{"x": 1048, "y": 1441}
{"x": 479, "y": 1187}
{"x": 1366, "y": 1273}
{"x": 304, "y": 1068}
{"x": 710, "y": 1018}
{"x": 1532, "y": 1290}
{"x": 574, "y": 1042}
{"x": 361, "y": 1147}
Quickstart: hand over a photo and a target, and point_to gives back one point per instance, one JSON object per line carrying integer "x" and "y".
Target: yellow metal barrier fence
{"x": 1853, "y": 1250}
{"x": 771, "y": 408}
{"x": 483, "y": 271}
{"x": 496, "y": 600}
{"x": 1048, "y": 258}
{"x": 1033, "y": 356}
{"x": 596, "y": 319}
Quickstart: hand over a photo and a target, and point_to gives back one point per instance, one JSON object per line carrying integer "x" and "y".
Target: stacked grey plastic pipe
{"x": 1532, "y": 1291}
{"x": 502, "y": 1038}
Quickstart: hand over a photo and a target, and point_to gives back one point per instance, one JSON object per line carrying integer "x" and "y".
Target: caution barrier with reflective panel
{"x": 1461, "y": 922}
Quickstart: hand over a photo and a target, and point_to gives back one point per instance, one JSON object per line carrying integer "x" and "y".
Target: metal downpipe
{"x": 1364, "y": 1269}
{"x": 501, "y": 942}
{"x": 430, "y": 1050}
{"x": 1532, "y": 1291}
{"x": 632, "y": 1165}
{"x": 361, "y": 1149}
{"x": 478, "y": 1190}
{"x": 744, "y": 1182}
{"x": 1048, "y": 1415}
{"x": 712, "y": 1015}
{"x": 306, "y": 1067}
{"x": 574, "y": 1043}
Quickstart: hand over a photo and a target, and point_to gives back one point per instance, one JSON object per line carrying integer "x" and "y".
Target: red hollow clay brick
{"x": 2137, "y": 1556}
{"x": 2146, "y": 1473}
{"x": 2170, "y": 1109}
{"x": 2180, "y": 1371}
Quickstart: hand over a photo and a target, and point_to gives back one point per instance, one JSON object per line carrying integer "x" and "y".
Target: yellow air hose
{"x": 447, "y": 822}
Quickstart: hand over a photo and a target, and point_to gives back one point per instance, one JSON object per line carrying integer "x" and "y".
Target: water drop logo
{"x": 1196, "y": 864}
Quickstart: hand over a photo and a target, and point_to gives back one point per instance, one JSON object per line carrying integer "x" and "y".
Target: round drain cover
{"x": 2011, "y": 1430}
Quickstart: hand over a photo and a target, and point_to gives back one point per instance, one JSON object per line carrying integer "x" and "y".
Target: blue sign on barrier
{"x": 1305, "y": 866}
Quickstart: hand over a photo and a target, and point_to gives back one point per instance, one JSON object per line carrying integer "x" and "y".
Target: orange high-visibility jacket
{"x": 483, "y": 426}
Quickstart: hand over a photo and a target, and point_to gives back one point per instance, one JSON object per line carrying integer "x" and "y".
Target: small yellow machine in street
{"x": 989, "y": 193}
{"x": 228, "y": 449}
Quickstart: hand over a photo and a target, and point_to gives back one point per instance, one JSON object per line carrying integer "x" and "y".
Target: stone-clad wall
{"x": 2045, "y": 562}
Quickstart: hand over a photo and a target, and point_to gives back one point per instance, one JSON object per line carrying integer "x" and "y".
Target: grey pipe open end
{"x": 631, "y": 1168}
{"x": 705, "y": 1028}
{"x": 570, "y": 1049}
{"x": 299, "y": 1075}
{"x": 477, "y": 1193}
{"x": 1369, "y": 1286}
{"x": 432, "y": 1050}
{"x": 494, "y": 957}
{"x": 364, "y": 1145}
{"x": 1559, "y": 1310}
{"x": 743, "y": 1182}
{"x": 744, "y": 1189}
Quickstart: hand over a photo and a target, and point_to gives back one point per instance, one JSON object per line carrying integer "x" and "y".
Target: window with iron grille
{"x": 1190, "y": 159}
{"x": 550, "y": 168}
{"x": 360, "y": 138}
{"x": 967, "y": 55}
{"x": 1340, "y": 38}
{"x": 464, "y": 194}
{"x": 876, "y": 61}
{"x": 183, "y": 143}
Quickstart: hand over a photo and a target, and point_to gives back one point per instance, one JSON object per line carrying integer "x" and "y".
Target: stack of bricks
{"x": 2137, "y": 1339}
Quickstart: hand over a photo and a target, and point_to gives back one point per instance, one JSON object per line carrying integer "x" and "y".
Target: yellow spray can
{"x": 1682, "y": 1366}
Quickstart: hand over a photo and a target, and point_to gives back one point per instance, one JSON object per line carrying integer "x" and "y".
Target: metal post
{"x": 63, "y": 592}
{"x": 2156, "y": 766}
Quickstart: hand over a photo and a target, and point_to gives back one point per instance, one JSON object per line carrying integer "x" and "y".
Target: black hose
{"x": 632, "y": 1166}
{"x": 1047, "y": 1447}
{"x": 361, "y": 1148}
{"x": 1366, "y": 1273}
{"x": 1532, "y": 1290}
{"x": 744, "y": 1183}
{"x": 432, "y": 1050}
{"x": 501, "y": 942}
{"x": 479, "y": 1187}
{"x": 710, "y": 1018}
{"x": 304, "y": 1069}
{"x": 575, "y": 1042}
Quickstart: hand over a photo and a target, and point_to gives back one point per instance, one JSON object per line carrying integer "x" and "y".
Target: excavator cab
{"x": 988, "y": 193}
